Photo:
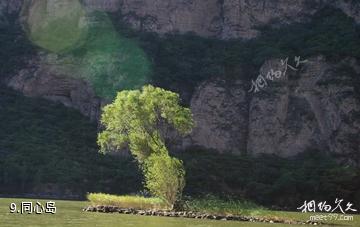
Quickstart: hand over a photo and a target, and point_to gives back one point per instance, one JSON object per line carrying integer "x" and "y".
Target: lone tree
{"x": 137, "y": 119}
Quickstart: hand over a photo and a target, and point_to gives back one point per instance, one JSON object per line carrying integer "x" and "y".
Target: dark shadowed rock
{"x": 212, "y": 18}
{"x": 314, "y": 108}
{"x": 220, "y": 111}
{"x": 53, "y": 80}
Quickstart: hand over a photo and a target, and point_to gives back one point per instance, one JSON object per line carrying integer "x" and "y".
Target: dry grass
{"x": 136, "y": 202}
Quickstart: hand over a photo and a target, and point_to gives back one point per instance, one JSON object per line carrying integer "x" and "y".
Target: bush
{"x": 165, "y": 177}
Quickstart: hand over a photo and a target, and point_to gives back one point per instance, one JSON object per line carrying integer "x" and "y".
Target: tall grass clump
{"x": 214, "y": 205}
{"x": 127, "y": 201}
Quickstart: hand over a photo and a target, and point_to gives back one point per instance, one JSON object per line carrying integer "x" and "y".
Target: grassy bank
{"x": 208, "y": 204}
{"x": 215, "y": 205}
{"x": 136, "y": 202}
{"x": 69, "y": 214}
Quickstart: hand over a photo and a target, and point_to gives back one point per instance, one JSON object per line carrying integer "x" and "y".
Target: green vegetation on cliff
{"x": 270, "y": 180}
{"x": 180, "y": 62}
{"x": 46, "y": 147}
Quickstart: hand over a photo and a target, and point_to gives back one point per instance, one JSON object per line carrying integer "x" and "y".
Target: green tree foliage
{"x": 141, "y": 119}
{"x": 165, "y": 177}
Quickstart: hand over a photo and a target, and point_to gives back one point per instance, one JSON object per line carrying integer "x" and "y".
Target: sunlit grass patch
{"x": 214, "y": 205}
{"x": 126, "y": 201}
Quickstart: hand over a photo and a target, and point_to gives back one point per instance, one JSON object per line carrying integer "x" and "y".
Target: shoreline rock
{"x": 192, "y": 214}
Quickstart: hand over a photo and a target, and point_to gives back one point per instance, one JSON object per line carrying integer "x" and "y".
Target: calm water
{"x": 70, "y": 214}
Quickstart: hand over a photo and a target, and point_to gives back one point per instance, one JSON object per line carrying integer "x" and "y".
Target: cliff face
{"x": 108, "y": 5}
{"x": 201, "y": 17}
{"x": 215, "y": 18}
{"x": 8, "y": 8}
{"x": 48, "y": 77}
{"x": 315, "y": 108}
{"x": 220, "y": 110}
{"x": 224, "y": 18}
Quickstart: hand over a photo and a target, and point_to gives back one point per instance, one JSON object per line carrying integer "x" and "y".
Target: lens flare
{"x": 110, "y": 61}
{"x": 55, "y": 25}
{"x": 85, "y": 45}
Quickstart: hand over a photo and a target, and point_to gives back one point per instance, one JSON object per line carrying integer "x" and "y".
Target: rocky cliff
{"x": 317, "y": 107}
{"x": 48, "y": 77}
{"x": 223, "y": 19}
{"x": 220, "y": 110}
